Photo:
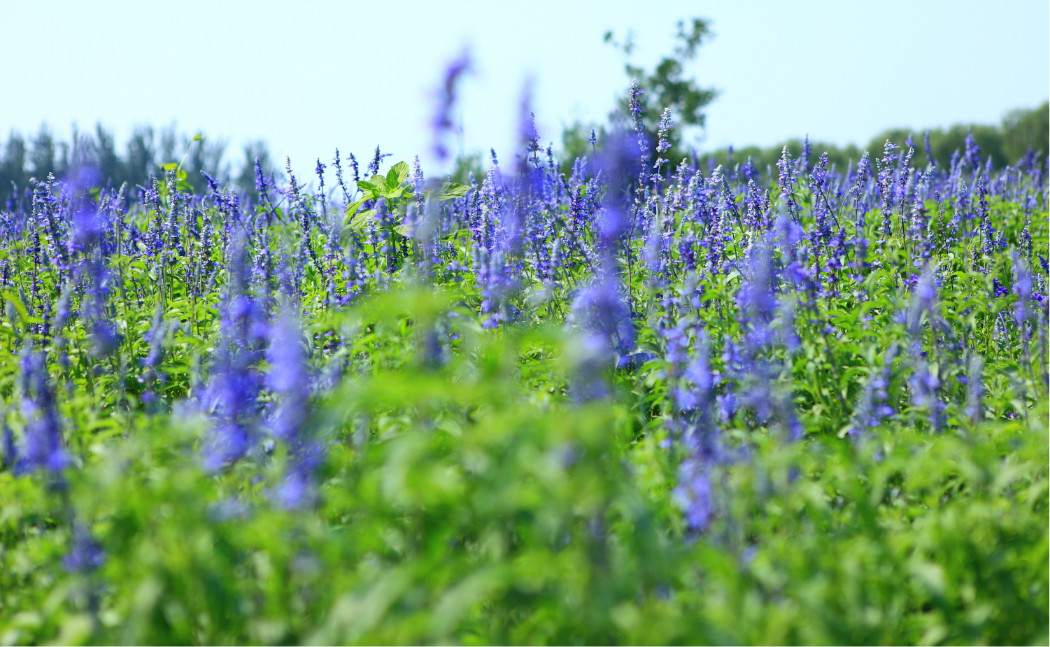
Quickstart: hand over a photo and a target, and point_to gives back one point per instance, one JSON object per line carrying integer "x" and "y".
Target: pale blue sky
{"x": 310, "y": 76}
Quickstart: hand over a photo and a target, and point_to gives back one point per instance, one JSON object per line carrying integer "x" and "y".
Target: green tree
{"x": 13, "y": 164}
{"x": 245, "y": 182}
{"x": 139, "y": 162}
{"x": 42, "y": 157}
{"x": 467, "y": 166}
{"x": 576, "y": 143}
{"x": 106, "y": 159}
{"x": 1025, "y": 130}
{"x": 668, "y": 85}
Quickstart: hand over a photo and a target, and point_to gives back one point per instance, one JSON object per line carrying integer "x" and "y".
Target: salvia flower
{"x": 604, "y": 322}
{"x": 42, "y": 446}
{"x": 694, "y": 495}
{"x": 1022, "y": 288}
{"x": 441, "y": 123}
{"x": 663, "y": 145}
{"x": 925, "y": 385}
{"x": 637, "y": 111}
{"x": 874, "y": 406}
{"x": 289, "y": 381}
{"x": 85, "y": 554}
{"x": 232, "y": 394}
{"x": 975, "y": 389}
{"x": 924, "y": 301}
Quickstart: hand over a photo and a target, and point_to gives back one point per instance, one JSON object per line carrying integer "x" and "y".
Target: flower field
{"x": 642, "y": 402}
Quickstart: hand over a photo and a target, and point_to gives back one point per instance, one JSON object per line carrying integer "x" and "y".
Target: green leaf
{"x": 352, "y": 208}
{"x": 370, "y": 187}
{"x": 396, "y": 175}
{"x": 450, "y": 190}
{"x": 393, "y": 194}
{"x": 16, "y": 302}
{"x": 360, "y": 220}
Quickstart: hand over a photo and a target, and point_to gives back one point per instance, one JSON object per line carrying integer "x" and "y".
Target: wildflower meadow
{"x": 650, "y": 399}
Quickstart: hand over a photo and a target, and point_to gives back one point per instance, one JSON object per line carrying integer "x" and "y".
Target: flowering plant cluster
{"x": 652, "y": 400}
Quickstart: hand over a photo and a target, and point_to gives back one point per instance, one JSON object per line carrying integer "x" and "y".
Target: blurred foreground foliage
{"x": 469, "y": 504}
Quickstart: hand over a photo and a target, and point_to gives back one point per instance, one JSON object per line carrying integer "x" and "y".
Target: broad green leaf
{"x": 16, "y": 302}
{"x": 360, "y": 220}
{"x": 450, "y": 190}
{"x": 352, "y": 208}
{"x": 369, "y": 186}
{"x": 395, "y": 193}
{"x": 397, "y": 175}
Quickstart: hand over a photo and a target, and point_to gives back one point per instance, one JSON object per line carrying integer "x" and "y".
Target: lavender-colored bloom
{"x": 974, "y": 389}
{"x": 442, "y": 124}
{"x": 787, "y": 182}
{"x": 634, "y": 104}
{"x": 1022, "y": 288}
{"x": 998, "y": 289}
{"x": 925, "y": 385}
{"x": 338, "y": 164}
{"x": 42, "y": 439}
{"x": 88, "y": 226}
{"x": 926, "y": 147}
{"x": 618, "y": 166}
{"x": 232, "y": 393}
{"x": 604, "y": 321}
{"x": 637, "y": 111}
{"x": 289, "y": 381}
{"x": 694, "y": 495}
{"x": 756, "y": 370}
{"x": 601, "y": 312}
{"x": 663, "y": 131}
{"x": 155, "y": 337}
{"x": 319, "y": 195}
{"x": 530, "y": 137}
{"x": 925, "y": 381}
{"x": 377, "y": 159}
{"x": 287, "y": 376}
{"x": 973, "y": 151}
{"x": 873, "y": 406}
{"x": 924, "y": 301}
{"x": 663, "y": 145}
{"x": 884, "y": 183}
{"x": 64, "y": 307}
{"x": 693, "y": 394}
{"x": 756, "y": 301}
{"x": 262, "y": 183}
{"x": 85, "y": 554}
{"x": 295, "y": 491}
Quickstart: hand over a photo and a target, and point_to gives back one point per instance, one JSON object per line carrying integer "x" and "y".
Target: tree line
{"x": 1020, "y": 132}
{"x": 25, "y": 160}
{"x": 147, "y": 150}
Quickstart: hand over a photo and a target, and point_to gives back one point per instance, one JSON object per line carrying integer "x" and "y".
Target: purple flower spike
{"x": 442, "y": 124}
{"x": 86, "y": 554}
{"x": 290, "y": 382}
{"x": 694, "y": 496}
{"x": 42, "y": 442}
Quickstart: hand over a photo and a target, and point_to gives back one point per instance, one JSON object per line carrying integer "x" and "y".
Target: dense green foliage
{"x": 487, "y": 473}
{"x": 1019, "y": 133}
